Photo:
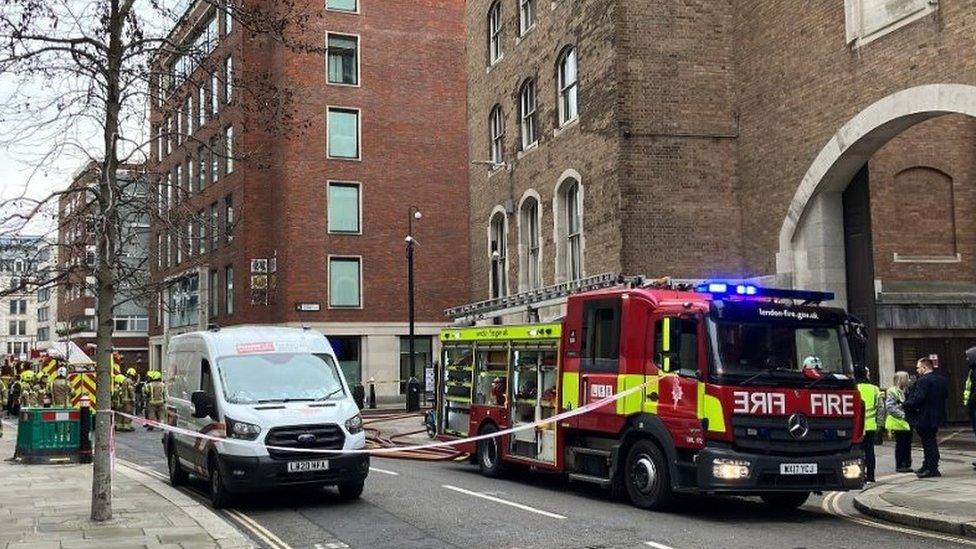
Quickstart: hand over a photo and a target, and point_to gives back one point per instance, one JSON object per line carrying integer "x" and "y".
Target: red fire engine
{"x": 746, "y": 390}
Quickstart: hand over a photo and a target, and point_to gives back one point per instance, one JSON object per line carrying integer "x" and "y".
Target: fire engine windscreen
{"x": 749, "y": 348}
{"x": 285, "y": 377}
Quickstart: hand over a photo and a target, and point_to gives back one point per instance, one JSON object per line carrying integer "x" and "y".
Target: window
{"x": 569, "y": 231}
{"x": 229, "y": 290}
{"x": 228, "y": 150}
{"x": 214, "y": 226}
{"x": 600, "y": 345}
{"x": 44, "y": 334}
{"x": 17, "y": 327}
{"x": 169, "y": 135}
{"x": 184, "y": 301}
{"x": 160, "y": 144}
{"x": 567, "y": 86}
{"x": 676, "y": 345}
{"x": 212, "y": 294}
{"x": 868, "y": 20}
{"x": 348, "y": 351}
{"x": 497, "y": 248}
{"x": 131, "y": 323}
{"x": 191, "y": 245}
{"x": 532, "y": 252}
{"x": 18, "y": 306}
{"x": 214, "y": 160}
{"x": 422, "y": 357}
{"x": 214, "y": 94}
{"x": 228, "y": 78}
{"x": 228, "y": 19}
{"x": 342, "y": 5}
{"x": 527, "y": 108}
{"x": 229, "y": 218}
{"x": 179, "y": 126}
{"x": 202, "y": 107}
{"x": 343, "y": 208}
{"x": 201, "y": 243}
{"x": 343, "y": 133}
{"x": 191, "y": 182}
{"x": 496, "y": 123}
{"x": 43, "y": 314}
{"x": 494, "y": 33}
{"x": 526, "y": 15}
{"x": 343, "y": 59}
{"x": 201, "y": 169}
{"x": 344, "y": 282}
{"x": 191, "y": 115}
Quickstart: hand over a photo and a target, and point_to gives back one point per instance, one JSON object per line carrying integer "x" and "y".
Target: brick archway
{"x": 811, "y": 244}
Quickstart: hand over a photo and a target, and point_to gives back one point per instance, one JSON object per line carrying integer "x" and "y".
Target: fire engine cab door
{"x": 599, "y": 363}
{"x": 678, "y": 358}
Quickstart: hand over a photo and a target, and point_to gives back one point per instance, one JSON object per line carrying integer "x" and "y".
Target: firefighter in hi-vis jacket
{"x": 61, "y": 390}
{"x": 155, "y": 392}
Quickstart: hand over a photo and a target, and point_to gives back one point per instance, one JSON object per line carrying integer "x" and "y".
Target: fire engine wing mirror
{"x": 202, "y": 404}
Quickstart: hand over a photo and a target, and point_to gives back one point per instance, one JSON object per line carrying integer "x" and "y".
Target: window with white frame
{"x": 214, "y": 94}
{"x": 17, "y": 327}
{"x": 531, "y": 261}
{"x": 342, "y": 5}
{"x": 202, "y": 106}
{"x": 229, "y": 290}
{"x": 495, "y": 32}
{"x": 527, "y": 114}
{"x": 201, "y": 243}
{"x": 229, "y": 150}
{"x": 214, "y": 159}
{"x": 868, "y": 20}
{"x": 131, "y": 323}
{"x": 201, "y": 168}
{"x": 343, "y": 133}
{"x": 568, "y": 87}
{"x": 43, "y": 314}
{"x": 526, "y": 15}
{"x": 496, "y": 125}
{"x": 18, "y": 306}
{"x": 343, "y": 208}
{"x": 498, "y": 255}
{"x": 569, "y": 237}
{"x": 344, "y": 282}
{"x": 343, "y": 59}
{"x": 228, "y": 79}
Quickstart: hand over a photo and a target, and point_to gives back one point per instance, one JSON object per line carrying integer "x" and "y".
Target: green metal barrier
{"x": 47, "y": 435}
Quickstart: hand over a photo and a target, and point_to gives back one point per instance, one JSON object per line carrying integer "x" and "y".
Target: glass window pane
{"x": 343, "y": 134}
{"x": 342, "y": 5}
{"x": 342, "y": 59}
{"x": 344, "y": 282}
{"x": 347, "y": 350}
{"x": 343, "y": 208}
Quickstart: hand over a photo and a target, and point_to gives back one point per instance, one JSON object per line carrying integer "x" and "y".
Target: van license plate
{"x": 798, "y": 469}
{"x": 306, "y": 466}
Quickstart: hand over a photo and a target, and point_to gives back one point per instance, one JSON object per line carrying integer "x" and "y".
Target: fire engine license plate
{"x": 798, "y": 469}
{"x": 306, "y": 466}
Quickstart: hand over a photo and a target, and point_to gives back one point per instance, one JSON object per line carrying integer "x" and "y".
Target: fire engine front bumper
{"x": 730, "y": 471}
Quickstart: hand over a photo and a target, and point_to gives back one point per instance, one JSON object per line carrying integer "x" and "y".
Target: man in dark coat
{"x": 926, "y": 408}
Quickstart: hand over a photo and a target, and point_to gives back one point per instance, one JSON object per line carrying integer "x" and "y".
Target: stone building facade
{"x": 804, "y": 147}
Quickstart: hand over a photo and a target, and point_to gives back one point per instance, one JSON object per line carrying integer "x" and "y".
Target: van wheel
{"x": 349, "y": 491}
{"x": 489, "y": 454}
{"x": 219, "y": 497}
{"x": 785, "y": 501}
{"x": 177, "y": 476}
{"x": 646, "y": 477}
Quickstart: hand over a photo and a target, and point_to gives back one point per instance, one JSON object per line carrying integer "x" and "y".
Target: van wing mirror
{"x": 202, "y": 404}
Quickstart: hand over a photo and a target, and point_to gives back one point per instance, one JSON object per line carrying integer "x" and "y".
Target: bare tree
{"x": 81, "y": 75}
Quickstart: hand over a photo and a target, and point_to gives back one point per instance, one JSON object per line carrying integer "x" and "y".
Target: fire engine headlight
{"x": 354, "y": 424}
{"x": 730, "y": 469}
{"x": 852, "y": 469}
{"x": 241, "y": 430}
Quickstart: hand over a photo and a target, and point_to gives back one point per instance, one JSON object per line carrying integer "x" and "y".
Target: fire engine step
{"x": 577, "y": 477}
{"x": 590, "y": 451}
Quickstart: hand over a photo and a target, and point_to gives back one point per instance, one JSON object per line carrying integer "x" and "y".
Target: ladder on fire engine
{"x": 532, "y": 300}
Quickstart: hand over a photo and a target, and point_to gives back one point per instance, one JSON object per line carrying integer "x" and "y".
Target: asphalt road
{"x": 410, "y": 504}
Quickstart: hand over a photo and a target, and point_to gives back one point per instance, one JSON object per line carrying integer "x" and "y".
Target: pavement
{"x": 945, "y": 504}
{"x": 48, "y": 506}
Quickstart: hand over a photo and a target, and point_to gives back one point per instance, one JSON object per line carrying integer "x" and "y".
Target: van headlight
{"x": 852, "y": 469}
{"x": 730, "y": 469}
{"x": 354, "y": 424}
{"x": 241, "y": 430}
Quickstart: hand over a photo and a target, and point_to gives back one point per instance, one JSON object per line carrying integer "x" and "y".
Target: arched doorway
{"x": 827, "y": 239}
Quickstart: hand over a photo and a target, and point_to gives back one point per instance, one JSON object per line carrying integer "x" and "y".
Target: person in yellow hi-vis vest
{"x": 897, "y": 424}
{"x": 25, "y": 393}
{"x": 870, "y": 394}
{"x": 61, "y": 390}
{"x": 155, "y": 392}
{"x": 123, "y": 400}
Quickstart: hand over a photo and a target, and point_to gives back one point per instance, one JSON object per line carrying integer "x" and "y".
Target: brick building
{"x": 802, "y": 147}
{"x": 286, "y": 168}
{"x": 74, "y": 286}
{"x": 20, "y": 258}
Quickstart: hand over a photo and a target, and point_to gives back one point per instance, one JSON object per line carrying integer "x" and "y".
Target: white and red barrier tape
{"x": 381, "y": 451}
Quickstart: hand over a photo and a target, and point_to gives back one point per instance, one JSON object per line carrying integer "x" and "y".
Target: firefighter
{"x": 870, "y": 394}
{"x": 25, "y": 392}
{"x": 122, "y": 401}
{"x": 42, "y": 390}
{"x": 3, "y": 395}
{"x": 155, "y": 392}
{"x": 61, "y": 390}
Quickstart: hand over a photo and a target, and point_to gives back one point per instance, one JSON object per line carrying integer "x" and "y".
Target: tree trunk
{"x": 107, "y": 234}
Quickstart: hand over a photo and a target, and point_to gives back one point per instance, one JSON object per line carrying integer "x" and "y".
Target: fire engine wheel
{"x": 177, "y": 476}
{"x": 786, "y": 501}
{"x": 489, "y": 454}
{"x": 219, "y": 497}
{"x": 646, "y": 476}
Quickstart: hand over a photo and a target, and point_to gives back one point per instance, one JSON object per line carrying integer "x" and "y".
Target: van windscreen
{"x": 255, "y": 379}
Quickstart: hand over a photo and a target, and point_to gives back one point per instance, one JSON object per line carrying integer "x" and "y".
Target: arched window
{"x": 566, "y": 79}
{"x": 569, "y": 230}
{"x": 530, "y": 249}
{"x": 495, "y": 32}
{"x": 498, "y": 254}
{"x": 496, "y": 124}
{"x": 527, "y": 108}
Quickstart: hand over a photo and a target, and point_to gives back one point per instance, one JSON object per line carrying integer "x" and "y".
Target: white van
{"x": 275, "y": 386}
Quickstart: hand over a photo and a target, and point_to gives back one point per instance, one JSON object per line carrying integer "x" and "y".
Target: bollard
{"x": 359, "y": 395}
{"x": 84, "y": 436}
{"x": 372, "y": 395}
{"x": 413, "y": 395}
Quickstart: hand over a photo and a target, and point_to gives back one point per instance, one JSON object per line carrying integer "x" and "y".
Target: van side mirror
{"x": 203, "y": 406}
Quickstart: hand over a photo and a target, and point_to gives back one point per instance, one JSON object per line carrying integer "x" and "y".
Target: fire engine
{"x": 739, "y": 390}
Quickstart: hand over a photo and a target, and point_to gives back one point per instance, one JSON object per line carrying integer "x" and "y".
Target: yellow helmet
{"x": 131, "y": 372}
{"x": 157, "y": 376}
{"x": 27, "y": 375}
{"x": 119, "y": 378}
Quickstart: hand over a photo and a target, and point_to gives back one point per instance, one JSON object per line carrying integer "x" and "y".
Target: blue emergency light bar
{"x": 732, "y": 289}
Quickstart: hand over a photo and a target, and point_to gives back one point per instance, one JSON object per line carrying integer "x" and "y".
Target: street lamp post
{"x": 413, "y": 385}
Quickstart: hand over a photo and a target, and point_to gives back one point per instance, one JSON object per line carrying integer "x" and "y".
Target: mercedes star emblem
{"x": 798, "y": 426}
